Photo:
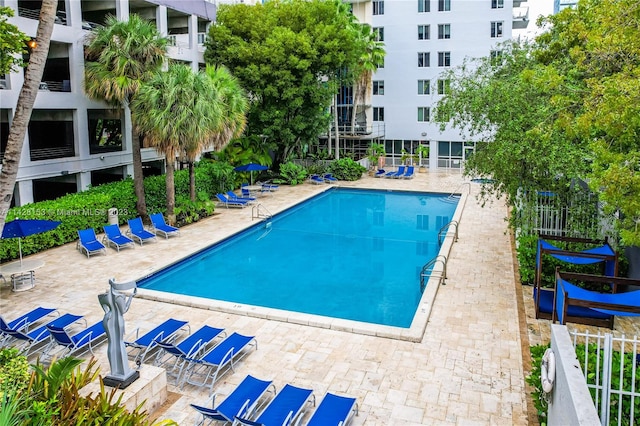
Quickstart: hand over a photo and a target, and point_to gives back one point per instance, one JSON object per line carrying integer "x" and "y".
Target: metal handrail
{"x": 257, "y": 214}
{"x": 445, "y": 230}
{"x": 460, "y": 186}
{"x": 427, "y": 271}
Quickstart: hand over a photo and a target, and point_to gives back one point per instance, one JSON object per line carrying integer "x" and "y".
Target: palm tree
{"x": 24, "y": 107}
{"x": 121, "y": 56}
{"x": 372, "y": 57}
{"x": 176, "y": 112}
{"x": 229, "y": 105}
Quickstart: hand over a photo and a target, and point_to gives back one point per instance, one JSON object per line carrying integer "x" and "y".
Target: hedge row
{"x": 90, "y": 208}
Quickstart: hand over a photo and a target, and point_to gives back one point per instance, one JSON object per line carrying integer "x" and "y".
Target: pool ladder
{"x": 427, "y": 271}
{"x": 454, "y": 196}
{"x": 260, "y": 212}
{"x": 444, "y": 231}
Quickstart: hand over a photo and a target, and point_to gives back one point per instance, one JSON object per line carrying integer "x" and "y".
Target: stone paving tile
{"x": 467, "y": 370}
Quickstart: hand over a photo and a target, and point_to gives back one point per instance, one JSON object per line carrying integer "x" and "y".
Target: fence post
{"x": 606, "y": 379}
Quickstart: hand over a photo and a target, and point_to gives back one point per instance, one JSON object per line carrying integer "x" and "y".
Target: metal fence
{"x": 611, "y": 366}
{"x": 577, "y": 213}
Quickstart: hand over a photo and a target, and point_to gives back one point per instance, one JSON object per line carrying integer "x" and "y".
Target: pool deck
{"x": 467, "y": 370}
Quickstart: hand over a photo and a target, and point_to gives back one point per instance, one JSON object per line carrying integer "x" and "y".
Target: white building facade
{"x": 422, "y": 39}
{"x": 73, "y": 142}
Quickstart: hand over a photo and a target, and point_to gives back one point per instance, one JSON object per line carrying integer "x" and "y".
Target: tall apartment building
{"x": 422, "y": 39}
{"x": 73, "y": 142}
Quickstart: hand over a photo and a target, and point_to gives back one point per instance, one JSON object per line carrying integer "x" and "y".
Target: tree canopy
{"x": 565, "y": 106}
{"x": 13, "y": 43}
{"x": 287, "y": 55}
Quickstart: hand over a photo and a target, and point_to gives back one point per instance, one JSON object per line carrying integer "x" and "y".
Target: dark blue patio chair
{"x": 138, "y": 232}
{"x": 161, "y": 227}
{"x": 334, "y": 410}
{"x": 88, "y": 243}
{"x": 113, "y": 237}
{"x": 284, "y": 409}
{"x": 143, "y": 345}
{"x": 242, "y": 401}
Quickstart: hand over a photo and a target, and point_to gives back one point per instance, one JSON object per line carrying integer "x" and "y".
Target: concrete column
{"x": 161, "y": 21}
{"x": 122, "y": 10}
{"x": 193, "y": 41}
{"x": 24, "y": 193}
{"x": 83, "y": 180}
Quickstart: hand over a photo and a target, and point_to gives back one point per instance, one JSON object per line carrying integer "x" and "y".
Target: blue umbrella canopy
{"x": 21, "y": 228}
{"x": 251, "y": 167}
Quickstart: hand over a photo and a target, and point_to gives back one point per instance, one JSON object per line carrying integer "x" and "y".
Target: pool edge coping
{"x": 414, "y": 333}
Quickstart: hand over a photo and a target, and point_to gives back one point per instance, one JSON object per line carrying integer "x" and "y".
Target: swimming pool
{"x": 346, "y": 253}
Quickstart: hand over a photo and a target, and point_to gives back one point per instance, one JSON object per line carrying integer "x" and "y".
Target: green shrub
{"x": 346, "y": 169}
{"x": 89, "y": 209}
{"x": 292, "y": 173}
{"x": 534, "y": 379}
{"x": 14, "y": 372}
{"x": 51, "y": 396}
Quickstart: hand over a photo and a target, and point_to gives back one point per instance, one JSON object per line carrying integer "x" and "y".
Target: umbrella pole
{"x": 20, "y": 249}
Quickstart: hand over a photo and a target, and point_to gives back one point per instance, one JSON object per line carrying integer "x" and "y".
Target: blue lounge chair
{"x": 268, "y": 186}
{"x": 145, "y": 344}
{"x": 316, "y": 179}
{"x": 246, "y": 193}
{"x": 23, "y": 322}
{"x": 204, "y": 371}
{"x": 398, "y": 172}
{"x": 329, "y": 178}
{"x": 401, "y": 170}
{"x": 172, "y": 355}
{"x": 284, "y": 409}
{"x": 113, "y": 237}
{"x": 138, "y": 232}
{"x": 231, "y": 203}
{"x": 232, "y": 196}
{"x": 334, "y": 410}
{"x": 88, "y": 243}
{"x": 380, "y": 173}
{"x": 161, "y": 227}
{"x": 78, "y": 343}
{"x": 33, "y": 339}
{"x": 408, "y": 174}
{"x": 243, "y": 400}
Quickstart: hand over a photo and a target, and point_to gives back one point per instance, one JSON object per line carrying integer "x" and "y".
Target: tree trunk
{"x": 192, "y": 182}
{"x": 24, "y": 107}
{"x": 138, "y": 177}
{"x": 171, "y": 189}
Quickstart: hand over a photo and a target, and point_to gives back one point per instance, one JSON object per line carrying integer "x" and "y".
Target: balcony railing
{"x": 55, "y": 86}
{"x": 521, "y": 13}
{"x": 51, "y": 153}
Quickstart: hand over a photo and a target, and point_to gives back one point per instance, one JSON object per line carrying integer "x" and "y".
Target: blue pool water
{"x": 346, "y": 253}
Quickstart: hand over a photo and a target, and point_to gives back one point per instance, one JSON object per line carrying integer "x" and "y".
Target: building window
{"x": 423, "y": 114}
{"x": 443, "y": 86}
{"x": 497, "y": 4}
{"x": 423, "y": 59}
{"x": 105, "y": 130}
{"x": 424, "y": 6}
{"x": 444, "y": 31}
{"x": 378, "y": 33}
{"x": 444, "y": 5}
{"x": 496, "y": 29}
{"x": 378, "y": 7}
{"x": 495, "y": 57}
{"x": 444, "y": 59}
{"x": 424, "y": 87}
{"x": 423, "y": 32}
{"x": 378, "y": 87}
{"x": 378, "y": 113}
